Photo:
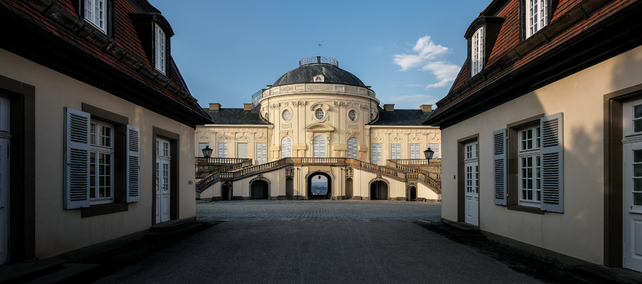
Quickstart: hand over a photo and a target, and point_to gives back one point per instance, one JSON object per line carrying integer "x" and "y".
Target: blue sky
{"x": 408, "y": 51}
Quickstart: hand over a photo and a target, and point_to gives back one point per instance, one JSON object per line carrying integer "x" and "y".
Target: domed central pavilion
{"x": 318, "y": 125}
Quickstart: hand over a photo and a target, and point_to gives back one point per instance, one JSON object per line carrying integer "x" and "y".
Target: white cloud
{"x": 427, "y": 52}
{"x": 444, "y": 71}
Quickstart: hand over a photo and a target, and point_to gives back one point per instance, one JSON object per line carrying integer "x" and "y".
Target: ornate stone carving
{"x": 328, "y": 136}
{"x": 349, "y": 172}
{"x": 286, "y": 125}
{"x": 415, "y": 139}
{"x": 353, "y": 126}
{"x": 262, "y": 138}
{"x": 378, "y": 139}
{"x": 434, "y": 138}
{"x": 203, "y": 136}
{"x": 339, "y": 103}
{"x": 243, "y": 137}
{"x": 311, "y": 137}
{"x": 275, "y": 105}
{"x": 354, "y": 134}
{"x": 289, "y": 172}
{"x": 284, "y": 133}
{"x": 223, "y": 137}
{"x": 396, "y": 139}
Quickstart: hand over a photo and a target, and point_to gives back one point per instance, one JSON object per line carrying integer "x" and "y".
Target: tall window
{"x": 471, "y": 169}
{"x": 222, "y": 150}
{"x": 101, "y": 162}
{"x": 395, "y": 151}
{"x": 95, "y": 13}
{"x": 415, "y": 151}
{"x": 261, "y": 153}
{"x": 163, "y": 185}
{"x": 434, "y": 147}
{"x": 376, "y": 153}
{"x": 286, "y": 147}
{"x": 477, "y": 52}
{"x": 536, "y": 16}
{"x": 352, "y": 148}
{"x": 530, "y": 184}
{"x": 159, "y": 62}
{"x": 318, "y": 146}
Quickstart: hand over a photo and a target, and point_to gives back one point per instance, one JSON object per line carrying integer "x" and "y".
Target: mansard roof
{"x": 237, "y": 116}
{"x": 52, "y": 33}
{"x": 400, "y": 117}
{"x": 580, "y": 33}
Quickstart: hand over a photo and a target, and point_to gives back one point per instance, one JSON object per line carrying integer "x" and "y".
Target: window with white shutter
{"x": 318, "y": 146}
{"x": 552, "y": 163}
{"x": 376, "y": 153}
{"x": 261, "y": 153}
{"x": 352, "y": 148}
{"x": 77, "y": 152}
{"x": 395, "y": 151}
{"x": 133, "y": 164}
{"x": 286, "y": 147}
{"x": 434, "y": 147}
{"x": 499, "y": 167}
{"x": 222, "y": 150}
{"x": 415, "y": 151}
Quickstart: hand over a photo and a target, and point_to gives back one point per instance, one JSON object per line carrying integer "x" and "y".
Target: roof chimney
{"x": 426, "y": 108}
{"x": 247, "y": 106}
{"x": 215, "y": 106}
{"x": 389, "y": 107}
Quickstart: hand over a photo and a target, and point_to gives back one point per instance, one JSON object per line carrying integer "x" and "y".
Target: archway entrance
{"x": 259, "y": 190}
{"x": 226, "y": 192}
{"x": 378, "y": 190}
{"x": 349, "y": 192}
{"x": 289, "y": 188}
{"x": 319, "y": 186}
{"x": 413, "y": 194}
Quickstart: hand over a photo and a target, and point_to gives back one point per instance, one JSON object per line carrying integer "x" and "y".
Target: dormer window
{"x": 477, "y": 51}
{"x": 96, "y": 13}
{"x": 536, "y": 16}
{"x": 319, "y": 78}
{"x": 160, "y": 49}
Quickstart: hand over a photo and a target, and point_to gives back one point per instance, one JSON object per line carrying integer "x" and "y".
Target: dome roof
{"x": 308, "y": 71}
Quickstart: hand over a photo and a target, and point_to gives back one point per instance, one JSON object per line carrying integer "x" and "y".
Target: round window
{"x": 319, "y": 113}
{"x": 286, "y": 115}
{"x": 352, "y": 114}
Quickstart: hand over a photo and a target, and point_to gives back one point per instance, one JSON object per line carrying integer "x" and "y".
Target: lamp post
{"x": 428, "y": 153}
{"x": 207, "y": 152}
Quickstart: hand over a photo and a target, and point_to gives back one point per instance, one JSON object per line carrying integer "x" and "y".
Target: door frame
{"x": 461, "y": 177}
{"x": 174, "y": 195}
{"x": 22, "y": 188}
{"x": 613, "y": 173}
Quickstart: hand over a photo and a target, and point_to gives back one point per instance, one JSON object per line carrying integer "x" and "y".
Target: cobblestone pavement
{"x": 322, "y": 210}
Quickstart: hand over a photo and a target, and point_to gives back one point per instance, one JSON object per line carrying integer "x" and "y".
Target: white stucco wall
{"x": 579, "y": 231}
{"x": 59, "y": 230}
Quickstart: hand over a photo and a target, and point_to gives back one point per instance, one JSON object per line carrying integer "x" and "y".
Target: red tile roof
{"x": 127, "y": 54}
{"x": 508, "y": 55}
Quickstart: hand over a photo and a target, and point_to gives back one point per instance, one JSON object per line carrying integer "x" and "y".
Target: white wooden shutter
{"x": 395, "y": 151}
{"x": 222, "y": 150}
{"x": 286, "y": 147}
{"x": 376, "y": 153}
{"x": 414, "y": 151}
{"x": 352, "y": 148}
{"x": 499, "y": 166}
{"x": 133, "y": 164}
{"x": 76, "y": 168}
{"x": 435, "y": 147}
{"x": 318, "y": 146}
{"x": 551, "y": 152}
{"x": 261, "y": 153}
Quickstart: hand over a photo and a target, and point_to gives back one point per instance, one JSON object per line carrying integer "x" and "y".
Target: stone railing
{"x": 220, "y": 161}
{"x": 322, "y": 160}
{"x": 417, "y": 162}
{"x": 318, "y": 88}
{"x": 259, "y": 168}
{"x": 318, "y": 59}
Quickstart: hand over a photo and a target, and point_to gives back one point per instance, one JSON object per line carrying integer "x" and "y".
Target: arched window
{"x": 286, "y": 147}
{"x": 318, "y": 147}
{"x": 352, "y": 148}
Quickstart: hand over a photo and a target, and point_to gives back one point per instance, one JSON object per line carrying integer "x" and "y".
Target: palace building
{"x": 318, "y": 132}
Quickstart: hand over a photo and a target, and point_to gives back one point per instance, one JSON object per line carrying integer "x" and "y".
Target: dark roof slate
{"x": 235, "y": 116}
{"x": 401, "y": 117}
{"x": 331, "y": 74}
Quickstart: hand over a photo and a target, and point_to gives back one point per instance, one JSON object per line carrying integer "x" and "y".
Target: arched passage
{"x": 412, "y": 193}
{"x": 226, "y": 192}
{"x": 319, "y": 186}
{"x": 259, "y": 190}
{"x": 378, "y": 190}
{"x": 289, "y": 188}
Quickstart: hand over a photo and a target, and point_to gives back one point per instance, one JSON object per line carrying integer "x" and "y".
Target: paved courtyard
{"x": 321, "y": 210}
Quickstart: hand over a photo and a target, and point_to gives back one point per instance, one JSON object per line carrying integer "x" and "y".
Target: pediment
{"x": 319, "y": 127}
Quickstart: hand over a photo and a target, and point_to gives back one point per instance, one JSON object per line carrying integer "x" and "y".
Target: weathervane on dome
{"x": 319, "y": 51}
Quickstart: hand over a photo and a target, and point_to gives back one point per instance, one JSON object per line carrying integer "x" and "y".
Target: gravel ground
{"x": 318, "y": 211}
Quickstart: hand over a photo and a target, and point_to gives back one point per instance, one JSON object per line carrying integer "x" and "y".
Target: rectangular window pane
{"x": 637, "y": 170}
{"x": 637, "y": 112}
{"x": 637, "y": 156}
{"x": 637, "y": 198}
{"x": 637, "y": 125}
{"x": 637, "y": 184}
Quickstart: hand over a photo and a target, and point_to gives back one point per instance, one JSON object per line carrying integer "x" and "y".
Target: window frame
{"x": 95, "y": 175}
{"x": 108, "y": 20}
{"x": 415, "y": 151}
{"x": 395, "y": 154}
{"x": 524, "y": 30}
{"x": 530, "y": 153}
{"x": 477, "y": 58}
{"x": 160, "y": 49}
{"x": 225, "y": 149}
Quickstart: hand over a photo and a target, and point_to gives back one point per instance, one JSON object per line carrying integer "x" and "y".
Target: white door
{"x": 632, "y": 185}
{"x": 4, "y": 179}
{"x": 163, "y": 190}
{"x": 471, "y": 174}
{"x": 376, "y": 153}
